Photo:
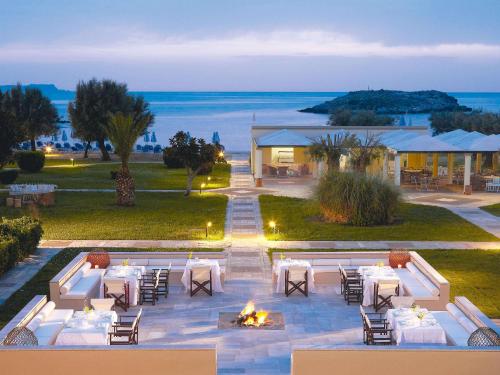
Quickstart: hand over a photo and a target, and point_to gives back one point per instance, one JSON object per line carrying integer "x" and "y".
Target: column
{"x": 435, "y": 164}
{"x": 385, "y": 166}
{"x": 494, "y": 161}
{"x": 450, "y": 166}
{"x": 467, "y": 170}
{"x": 479, "y": 162}
{"x": 252, "y": 157}
{"x": 258, "y": 168}
{"x": 397, "y": 170}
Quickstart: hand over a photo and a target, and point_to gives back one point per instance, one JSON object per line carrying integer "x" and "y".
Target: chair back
{"x": 102, "y": 304}
{"x": 297, "y": 273}
{"x": 400, "y": 302}
{"x": 387, "y": 287}
{"x": 115, "y": 286}
{"x": 137, "y": 319}
{"x": 200, "y": 273}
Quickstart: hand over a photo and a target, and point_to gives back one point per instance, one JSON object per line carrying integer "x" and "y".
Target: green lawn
{"x": 299, "y": 219}
{"x": 88, "y": 174}
{"x": 39, "y": 284}
{"x": 493, "y": 209}
{"x": 474, "y": 274}
{"x": 156, "y": 216}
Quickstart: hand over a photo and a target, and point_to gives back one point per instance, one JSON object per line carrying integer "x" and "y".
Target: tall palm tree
{"x": 123, "y": 131}
{"x": 331, "y": 149}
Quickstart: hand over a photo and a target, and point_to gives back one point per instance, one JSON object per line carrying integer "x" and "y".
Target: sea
{"x": 231, "y": 114}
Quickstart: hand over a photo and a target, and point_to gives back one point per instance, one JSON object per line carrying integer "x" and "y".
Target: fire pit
{"x": 250, "y": 318}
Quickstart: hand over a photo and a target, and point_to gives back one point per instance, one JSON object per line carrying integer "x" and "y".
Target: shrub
{"x": 356, "y": 199}
{"x": 26, "y": 230}
{"x": 30, "y": 161}
{"x": 9, "y": 248}
{"x": 170, "y": 160}
{"x": 8, "y": 176}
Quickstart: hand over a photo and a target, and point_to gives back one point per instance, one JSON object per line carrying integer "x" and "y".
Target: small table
{"x": 410, "y": 329}
{"x": 87, "y": 328}
{"x": 132, "y": 274}
{"x": 214, "y": 267}
{"x": 281, "y": 266}
{"x": 372, "y": 275}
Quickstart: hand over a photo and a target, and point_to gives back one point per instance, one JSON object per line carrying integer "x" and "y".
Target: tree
{"x": 95, "y": 102}
{"x": 123, "y": 131}
{"x": 365, "y": 151}
{"x": 345, "y": 117}
{"x": 195, "y": 154}
{"x": 33, "y": 112}
{"x": 484, "y": 122}
{"x": 10, "y": 135}
{"x": 331, "y": 150}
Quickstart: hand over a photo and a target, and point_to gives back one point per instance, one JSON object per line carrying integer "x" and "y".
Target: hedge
{"x": 26, "y": 230}
{"x": 8, "y": 176}
{"x": 30, "y": 161}
{"x": 9, "y": 248}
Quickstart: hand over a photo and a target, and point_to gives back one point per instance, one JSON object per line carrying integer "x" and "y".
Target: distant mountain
{"x": 386, "y": 102}
{"x": 49, "y": 90}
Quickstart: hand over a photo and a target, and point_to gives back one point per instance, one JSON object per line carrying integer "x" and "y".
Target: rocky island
{"x": 385, "y": 102}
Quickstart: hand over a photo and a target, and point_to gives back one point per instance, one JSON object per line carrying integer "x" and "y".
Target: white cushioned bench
{"x": 47, "y": 324}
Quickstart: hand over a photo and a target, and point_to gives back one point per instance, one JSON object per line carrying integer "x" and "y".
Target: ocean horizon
{"x": 233, "y": 113}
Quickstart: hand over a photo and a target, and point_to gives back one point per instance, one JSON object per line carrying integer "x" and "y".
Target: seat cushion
{"x": 320, "y": 269}
{"x": 368, "y": 261}
{"x": 73, "y": 280}
{"x": 47, "y": 333}
{"x": 461, "y": 318}
{"x": 131, "y": 262}
{"x": 427, "y": 283}
{"x": 412, "y": 285}
{"x": 83, "y": 288}
{"x": 47, "y": 310}
{"x": 60, "y": 315}
{"x": 331, "y": 262}
{"x": 455, "y": 332}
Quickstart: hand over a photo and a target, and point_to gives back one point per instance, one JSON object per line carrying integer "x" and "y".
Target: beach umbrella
{"x": 214, "y": 137}
{"x": 64, "y": 137}
{"x": 153, "y": 137}
{"x": 55, "y": 138}
{"x": 188, "y": 136}
{"x": 217, "y": 137}
{"x": 146, "y": 137}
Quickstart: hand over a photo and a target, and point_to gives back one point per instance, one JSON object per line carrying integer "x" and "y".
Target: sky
{"x": 254, "y": 45}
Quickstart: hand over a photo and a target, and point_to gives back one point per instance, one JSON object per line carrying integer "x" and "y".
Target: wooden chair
{"x": 345, "y": 275}
{"x": 296, "y": 278}
{"x": 376, "y": 329}
{"x": 148, "y": 287}
{"x": 384, "y": 290}
{"x": 164, "y": 278}
{"x": 102, "y": 304}
{"x": 119, "y": 290}
{"x": 126, "y": 330}
{"x": 201, "y": 277}
{"x": 353, "y": 287}
{"x": 400, "y": 302}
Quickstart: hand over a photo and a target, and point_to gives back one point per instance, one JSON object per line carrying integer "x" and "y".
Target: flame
{"x": 248, "y": 309}
{"x": 253, "y": 318}
{"x": 261, "y": 317}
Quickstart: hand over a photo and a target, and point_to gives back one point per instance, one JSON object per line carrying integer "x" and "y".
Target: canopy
{"x": 146, "y": 137}
{"x": 153, "y": 137}
{"x": 283, "y": 138}
{"x": 423, "y": 143}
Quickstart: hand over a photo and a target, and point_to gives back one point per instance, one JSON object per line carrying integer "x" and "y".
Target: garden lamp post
{"x": 272, "y": 225}
{"x": 209, "y": 225}
{"x": 202, "y": 186}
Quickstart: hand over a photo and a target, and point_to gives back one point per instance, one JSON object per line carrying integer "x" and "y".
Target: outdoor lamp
{"x": 221, "y": 154}
{"x": 72, "y": 162}
{"x": 272, "y": 225}
{"x": 48, "y": 149}
{"x": 209, "y": 225}
{"x": 202, "y": 186}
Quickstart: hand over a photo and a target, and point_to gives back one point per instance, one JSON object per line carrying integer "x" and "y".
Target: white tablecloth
{"x": 409, "y": 329}
{"x": 372, "y": 275}
{"x": 281, "y": 266}
{"x": 214, "y": 266}
{"x": 132, "y": 274}
{"x": 87, "y": 328}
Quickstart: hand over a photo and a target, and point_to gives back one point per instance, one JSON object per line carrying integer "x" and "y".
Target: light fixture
{"x": 272, "y": 225}
{"x": 221, "y": 154}
{"x": 72, "y": 162}
{"x": 202, "y": 185}
{"x": 209, "y": 225}
{"x": 48, "y": 149}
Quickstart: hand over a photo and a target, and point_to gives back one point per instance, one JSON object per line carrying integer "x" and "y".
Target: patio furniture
{"x": 279, "y": 273}
{"x": 493, "y": 185}
{"x": 400, "y": 302}
{"x": 484, "y": 336}
{"x": 371, "y": 276}
{"x": 283, "y": 171}
{"x": 296, "y": 279}
{"x": 353, "y": 288}
{"x": 164, "y": 275}
{"x": 102, "y": 304}
{"x": 126, "y": 330}
{"x": 98, "y": 259}
{"x": 148, "y": 289}
{"x": 118, "y": 289}
{"x": 372, "y": 324}
{"x": 201, "y": 277}
{"x": 273, "y": 172}
{"x": 383, "y": 292}
{"x": 20, "y": 336}
{"x": 415, "y": 326}
{"x": 215, "y": 273}
{"x": 87, "y": 328}
{"x": 129, "y": 273}
{"x": 344, "y": 277}
{"x": 399, "y": 258}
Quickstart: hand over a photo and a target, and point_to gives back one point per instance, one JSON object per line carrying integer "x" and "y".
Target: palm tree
{"x": 123, "y": 131}
{"x": 365, "y": 151}
{"x": 331, "y": 149}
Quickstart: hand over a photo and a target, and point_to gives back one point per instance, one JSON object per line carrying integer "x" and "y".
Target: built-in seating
{"x": 78, "y": 282}
{"x": 419, "y": 279}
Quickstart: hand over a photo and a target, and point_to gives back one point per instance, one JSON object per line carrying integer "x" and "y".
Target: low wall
{"x": 109, "y": 360}
{"x": 387, "y": 361}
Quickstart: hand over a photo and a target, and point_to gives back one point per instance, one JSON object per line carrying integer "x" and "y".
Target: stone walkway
{"x": 16, "y": 277}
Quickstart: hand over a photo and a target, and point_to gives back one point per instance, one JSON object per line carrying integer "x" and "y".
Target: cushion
{"x": 46, "y": 310}
{"x": 412, "y": 285}
{"x": 47, "y": 333}
{"x": 320, "y": 269}
{"x": 86, "y": 266}
{"x": 461, "y": 318}
{"x": 34, "y": 323}
{"x": 427, "y": 283}
{"x": 367, "y": 261}
{"x": 138, "y": 262}
{"x": 331, "y": 262}
{"x": 455, "y": 332}
{"x": 411, "y": 267}
{"x": 60, "y": 315}
{"x": 84, "y": 286}
{"x": 71, "y": 282}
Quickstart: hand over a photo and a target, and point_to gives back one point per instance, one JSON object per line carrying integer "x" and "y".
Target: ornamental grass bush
{"x": 357, "y": 199}
{"x": 8, "y": 176}
{"x": 30, "y": 161}
{"x": 25, "y": 230}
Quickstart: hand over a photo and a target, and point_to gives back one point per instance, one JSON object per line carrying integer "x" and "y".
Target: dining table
{"x": 87, "y": 328}
{"x": 415, "y": 326}
{"x": 214, "y": 267}
{"x": 280, "y": 266}
{"x": 131, "y": 274}
{"x": 372, "y": 275}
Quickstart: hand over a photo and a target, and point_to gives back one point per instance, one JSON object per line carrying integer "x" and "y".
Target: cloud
{"x": 146, "y": 47}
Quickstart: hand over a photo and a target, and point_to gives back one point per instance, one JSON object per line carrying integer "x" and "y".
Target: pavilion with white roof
{"x": 282, "y": 151}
